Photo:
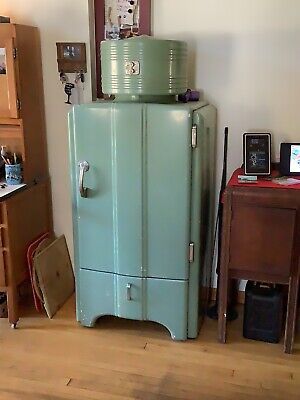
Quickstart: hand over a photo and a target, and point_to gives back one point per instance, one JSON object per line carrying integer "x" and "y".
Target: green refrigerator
{"x": 143, "y": 209}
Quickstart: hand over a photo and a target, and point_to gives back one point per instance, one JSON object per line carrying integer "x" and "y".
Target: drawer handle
{"x": 128, "y": 291}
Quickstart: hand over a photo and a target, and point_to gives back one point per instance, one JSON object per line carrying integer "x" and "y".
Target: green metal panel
{"x": 159, "y": 300}
{"x": 76, "y": 248}
{"x": 202, "y": 212}
{"x": 168, "y": 190}
{"x": 127, "y": 176}
{"x": 167, "y": 302}
{"x": 160, "y": 66}
{"x": 90, "y": 140}
{"x": 107, "y": 224}
{"x": 198, "y": 157}
{"x": 96, "y": 295}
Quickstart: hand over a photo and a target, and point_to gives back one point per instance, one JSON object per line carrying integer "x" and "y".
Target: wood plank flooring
{"x": 58, "y": 359}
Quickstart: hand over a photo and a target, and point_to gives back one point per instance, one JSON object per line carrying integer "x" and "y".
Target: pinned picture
{"x": 121, "y": 19}
{"x": 2, "y": 61}
{"x": 72, "y": 51}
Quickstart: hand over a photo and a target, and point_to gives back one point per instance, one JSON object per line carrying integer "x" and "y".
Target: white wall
{"x": 244, "y": 56}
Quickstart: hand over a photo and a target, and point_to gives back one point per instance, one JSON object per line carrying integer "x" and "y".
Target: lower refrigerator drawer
{"x": 167, "y": 304}
{"x": 160, "y": 300}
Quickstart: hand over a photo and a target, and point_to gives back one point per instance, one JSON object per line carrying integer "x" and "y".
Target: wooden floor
{"x": 57, "y": 359}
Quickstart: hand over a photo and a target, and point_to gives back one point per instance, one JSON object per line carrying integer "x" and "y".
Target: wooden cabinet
{"x": 261, "y": 242}
{"x": 22, "y": 125}
{"x": 8, "y": 84}
{"x": 25, "y": 214}
{"x": 24, "y": 217}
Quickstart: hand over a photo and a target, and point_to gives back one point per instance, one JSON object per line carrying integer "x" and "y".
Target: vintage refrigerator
{"x": 143, "y": 205}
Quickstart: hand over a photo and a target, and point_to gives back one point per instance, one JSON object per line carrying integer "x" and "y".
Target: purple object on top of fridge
{"x": 189, "y": 95}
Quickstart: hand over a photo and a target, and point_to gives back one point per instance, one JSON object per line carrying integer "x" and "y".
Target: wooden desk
{"x": 261, "y": 242}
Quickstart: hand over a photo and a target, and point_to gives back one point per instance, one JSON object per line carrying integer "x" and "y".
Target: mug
{"x": 13, "y": 174}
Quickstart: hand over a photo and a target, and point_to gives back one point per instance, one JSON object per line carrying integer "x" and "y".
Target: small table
{"x": 261, "y": 242}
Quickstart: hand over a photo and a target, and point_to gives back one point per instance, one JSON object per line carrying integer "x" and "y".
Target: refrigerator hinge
{"x": 15, "y": 53}
{"x": 191, "y": 252}
{"x": 18, "y": 104}
{"x": 194, "y": 136}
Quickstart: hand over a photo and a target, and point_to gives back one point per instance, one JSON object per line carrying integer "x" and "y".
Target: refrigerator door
{"x": 108, "y": 221}
{"x": 168, "y": 193}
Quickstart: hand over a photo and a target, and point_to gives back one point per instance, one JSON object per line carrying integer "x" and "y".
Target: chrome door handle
{"x": 83, "y": 167}
{"x": 128, "y": 291}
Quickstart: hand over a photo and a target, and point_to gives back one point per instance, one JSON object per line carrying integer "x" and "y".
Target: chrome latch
{"x": 128, "y": 291}
{"x": 191, "y": 252}
{"x": 194, "y": 136}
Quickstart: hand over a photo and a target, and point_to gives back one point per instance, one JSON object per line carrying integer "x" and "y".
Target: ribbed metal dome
{"x": 144, "y": 66}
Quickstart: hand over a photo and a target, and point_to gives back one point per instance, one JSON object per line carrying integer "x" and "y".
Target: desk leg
{"x": 223, "y": 273}
{"x": 12, "y": 305}
{"x": 222, "y": 312}
{"x": 291, "y": 314}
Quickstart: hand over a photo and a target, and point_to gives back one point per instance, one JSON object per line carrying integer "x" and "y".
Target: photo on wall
{"x": 121, "y": 19}
{"x": 2, "y": 61}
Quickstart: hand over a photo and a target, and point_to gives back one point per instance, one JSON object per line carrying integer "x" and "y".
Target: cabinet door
{"x": 168, "y": 191}
{"x": 8, "y": 89}
{"x": 108, "y": 221}
{"x": 27, "y": 217}
{"x": 262, "y": 238}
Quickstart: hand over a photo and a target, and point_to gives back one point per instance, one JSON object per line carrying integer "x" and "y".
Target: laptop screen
{"x": 295, "y": 158}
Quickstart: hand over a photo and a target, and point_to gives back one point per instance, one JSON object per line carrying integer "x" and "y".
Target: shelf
{"x": 10, "y": 121}
{"x": 11, "y": 131}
